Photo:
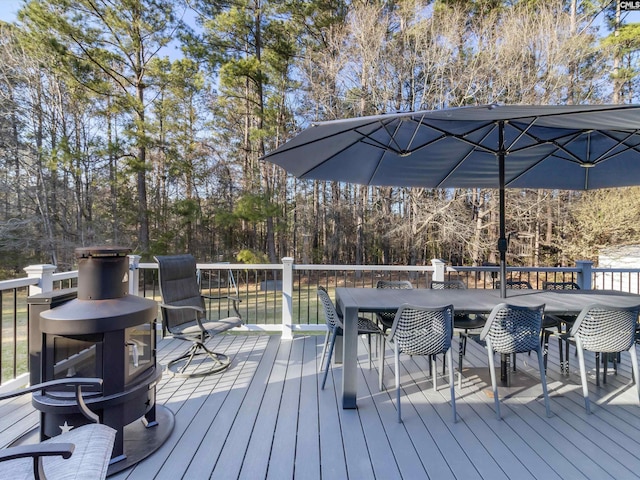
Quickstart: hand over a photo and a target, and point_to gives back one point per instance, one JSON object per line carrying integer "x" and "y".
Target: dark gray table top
{"x": 558, "y": 302}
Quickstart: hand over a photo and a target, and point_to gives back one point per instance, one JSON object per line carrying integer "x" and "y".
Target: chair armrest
{"x": 78, "y": 383}
{"x": 222, "y": 297}
{"x": 235, "y": 300}
{"x": 37, "y": 450}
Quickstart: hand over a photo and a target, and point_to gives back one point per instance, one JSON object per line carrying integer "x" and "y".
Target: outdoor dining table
{"x": 351, "y": 301}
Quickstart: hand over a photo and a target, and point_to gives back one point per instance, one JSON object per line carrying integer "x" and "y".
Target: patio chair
{"x": 422, "y": 331}
{"x": 548, "y": 322}
{"x": 82, "y": 452}
{"x": 605, "y": 329}
{"x": 516, "y": 285}
{"x": 386, "y": 318}
{"x": 184, "y": 314}
{"x": 462, "y": 322}
{"x": 335, "y": 328}
{"x": 560, "y": 286}
{"x": 509, "y": 330}
{"x": 563, "y": 320}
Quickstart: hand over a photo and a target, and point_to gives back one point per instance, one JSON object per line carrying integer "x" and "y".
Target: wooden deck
{"x": 266, "y": 417}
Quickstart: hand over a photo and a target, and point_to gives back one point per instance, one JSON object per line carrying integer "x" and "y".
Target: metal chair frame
{"x": 463, "y": 323}
{"x": 512, "y": 329}
{"x": 605, "y": 329}
{"x": 335, "y": 328}
{"x": 422, "y": 331}
{"x": 184, "y": 314}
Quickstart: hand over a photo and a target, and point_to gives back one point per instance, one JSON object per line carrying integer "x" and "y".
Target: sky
{"x": 8, "y": 9}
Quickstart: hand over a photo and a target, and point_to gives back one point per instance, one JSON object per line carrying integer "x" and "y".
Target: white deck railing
{"x": 280, "y": 298}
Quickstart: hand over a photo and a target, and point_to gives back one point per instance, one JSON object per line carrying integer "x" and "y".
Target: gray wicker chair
{"x": 462, "y": 322}
{"x": 560, "y": 286}
{"x": 566, "y": 320}
{"x": 605, "y": 329}
{"x": 82, "y": 452}
{"x": 386, "y": 318}
{"x": 509, "y": 330}
{"x": 548, "y": 322}
{"x": 335, "y": 328}
{"x": 422, "y": 331}
{"x": 184, "y": 314}
{"x": 516, "y": 285}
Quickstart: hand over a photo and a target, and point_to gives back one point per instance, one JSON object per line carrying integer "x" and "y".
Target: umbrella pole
{"x": 502, "y": 241}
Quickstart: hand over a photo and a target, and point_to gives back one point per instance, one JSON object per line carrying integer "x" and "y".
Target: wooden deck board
{"x": 281, "y": 463}
{"x": 256, "y": 463}
{"x": 267, "y": 417}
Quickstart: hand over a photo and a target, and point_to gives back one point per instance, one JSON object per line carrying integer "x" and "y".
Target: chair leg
{"x": 461, "y": 351}
{"x": 452, "y": 384}
{"x": 583, "y": 376}
{"x": 434, "y": 378}
{"x": 369, "y": 343}
{"x": 560, "y": 351}
{"x": 381, "y": 362}
{"x": 396, "y": 355}
{"x": 324, "y": 348}
{"x": 543, "y": 380}
{"x": 545, "y": 347}
{"x": 331, "y": 345}
{"x": 634, "y": 366}
{"x": 494, "y": 383}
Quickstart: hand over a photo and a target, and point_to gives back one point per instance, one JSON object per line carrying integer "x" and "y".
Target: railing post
{"x": 287, "y": 298}
{"x": 45, "y": 274}
{"x": 584, "y": 274}
{"x": 439, "y": 269}
{"x": 134, "y": 274}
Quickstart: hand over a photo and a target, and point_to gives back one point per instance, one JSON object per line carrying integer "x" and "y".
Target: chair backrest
{"x": 387, "y": 317}
{"x": 421, "y": 330}
{"x": 560, "y": 286}
{"x": 603, "y": 328}
{"x": 448, "y": 285}
{"x": 331, "y": 316}
{"x": 514, "y": 329}
{"x": 179, "y": 286}
{"x": 395, "y": 284}
{"x": 516, "y": 285}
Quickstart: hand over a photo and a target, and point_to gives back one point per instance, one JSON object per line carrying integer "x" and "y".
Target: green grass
{"x": 14, "y": 337}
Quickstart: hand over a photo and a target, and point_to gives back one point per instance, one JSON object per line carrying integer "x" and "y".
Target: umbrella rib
{"x": 605, "y": 156}
{"x": 538, "y": 142}
{"x": 462, "y": 137}
{"x": 462, "y": 160}
{"x": 316, "y": 140}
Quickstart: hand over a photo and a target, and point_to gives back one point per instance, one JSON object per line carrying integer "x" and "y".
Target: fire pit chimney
{"x": 102, "y": 272}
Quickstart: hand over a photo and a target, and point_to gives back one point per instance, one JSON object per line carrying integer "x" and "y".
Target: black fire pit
{"x": 109, "y": 334}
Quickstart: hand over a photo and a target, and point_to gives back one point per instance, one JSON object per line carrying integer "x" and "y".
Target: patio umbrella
{"x": 569, "y": 147}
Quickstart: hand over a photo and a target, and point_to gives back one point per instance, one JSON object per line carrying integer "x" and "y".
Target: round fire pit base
{"x": 140, "y": 441}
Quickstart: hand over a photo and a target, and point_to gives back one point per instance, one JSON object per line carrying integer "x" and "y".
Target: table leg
{"x": 350, "y": 358}
{"x": 337, "y": 351}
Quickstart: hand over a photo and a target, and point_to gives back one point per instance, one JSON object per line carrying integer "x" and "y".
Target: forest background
{"x": 109, "y": 137}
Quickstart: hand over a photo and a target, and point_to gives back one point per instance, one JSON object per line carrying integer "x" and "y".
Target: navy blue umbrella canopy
{"x": 569, "y": 147}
